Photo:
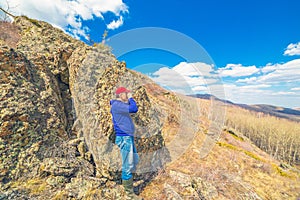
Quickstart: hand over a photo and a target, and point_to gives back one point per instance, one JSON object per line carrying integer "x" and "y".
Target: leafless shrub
{"x": 5, "y": 14}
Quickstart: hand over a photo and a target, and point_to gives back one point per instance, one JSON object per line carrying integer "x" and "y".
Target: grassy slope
{"x": 235, "y": 167}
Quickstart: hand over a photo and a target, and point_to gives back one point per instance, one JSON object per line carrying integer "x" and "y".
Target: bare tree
{"x": 9, "y": 32}
{"x": 6, "y": 13}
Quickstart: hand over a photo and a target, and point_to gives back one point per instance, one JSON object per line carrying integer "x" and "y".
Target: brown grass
{"x": 235, "y": 167}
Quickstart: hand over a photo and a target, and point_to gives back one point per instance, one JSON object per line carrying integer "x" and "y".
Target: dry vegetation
{"x": 235, "y": 168}
{"x": 278, "y": 137}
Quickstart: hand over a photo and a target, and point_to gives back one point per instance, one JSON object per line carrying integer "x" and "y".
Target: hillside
{"x": 56, "y": 135}
{"x": 277, "y": 111}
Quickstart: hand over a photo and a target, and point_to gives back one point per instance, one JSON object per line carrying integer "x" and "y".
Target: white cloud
{"x": 296, "y": 89}
{"x": 194, "y": 69}
{"x": 287, "y": 72}
{"x": 115, "y": 24}
{"x": 276, "y": 73}
{"x": 283, "y": 93}
{"x": 279, "y": 85}
{"x": 292, "y": 49}
{"x": 236, "y": 70}
{"x": 188, "y": 77}
{"x": 269, "y": 68}
{"x": 247, "y": 80}
{"x": 64, "y": 13}
{"x": 168, "y": 77}
{"x": 274, "y": 84}
{"x": 255, "y": 86}
{"x": 201, "y": 89}
{"x": 245, "y": 90}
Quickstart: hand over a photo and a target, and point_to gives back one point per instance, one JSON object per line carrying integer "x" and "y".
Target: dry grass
{"x": 235, "y": 167}
{"x": 33, "y": 186}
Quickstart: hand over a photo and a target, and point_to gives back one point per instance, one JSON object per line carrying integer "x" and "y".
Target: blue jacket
{"x": 122, "y": 121}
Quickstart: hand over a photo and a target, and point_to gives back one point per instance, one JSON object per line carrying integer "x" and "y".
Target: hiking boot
{"x": 128, "y": 185}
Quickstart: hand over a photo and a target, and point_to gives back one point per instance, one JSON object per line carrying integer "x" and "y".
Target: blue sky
{"x": 254, "y": 45}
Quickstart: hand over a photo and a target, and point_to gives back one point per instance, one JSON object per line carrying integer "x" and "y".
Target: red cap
{"x": 121, "y": 90}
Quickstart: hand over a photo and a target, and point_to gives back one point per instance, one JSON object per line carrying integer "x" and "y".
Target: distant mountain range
{"x": 287, "y": 113}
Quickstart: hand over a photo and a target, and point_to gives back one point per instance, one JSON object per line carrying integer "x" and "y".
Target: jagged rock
{"x": 183, "y": 179}
{"x": 195, "y": 186}
{"x": 82, "y": 148}
{"x": 204, "y": 189}
{"x": 59, "y": 167}
{"x": 30, "y": 111}
{"x": 65, "y": 167}
{"x": 85, "y": 188}
{"x": 75, "y": 142}
{"x": 171, "y": 193}
{"x": 56, "y": 181}
{"x": 13, "y": 194}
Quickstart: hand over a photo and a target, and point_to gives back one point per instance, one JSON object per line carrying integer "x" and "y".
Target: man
{"x": 124, "y": 130}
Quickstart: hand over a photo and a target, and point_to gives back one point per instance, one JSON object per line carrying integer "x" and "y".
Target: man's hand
{"x": 129, "y": 95}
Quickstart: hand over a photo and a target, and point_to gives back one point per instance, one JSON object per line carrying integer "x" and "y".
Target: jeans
{"x": 129, "y": 155}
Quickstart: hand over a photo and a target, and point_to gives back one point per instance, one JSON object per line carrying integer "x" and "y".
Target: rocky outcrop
{"x": 37, "y": 111}
{"x": 194, "y": 186}
{"x": 96, "y": 82}
{"x": 30, "y": 112}
{"x": 55, "y": 121}
{"x": 54, "y": 50}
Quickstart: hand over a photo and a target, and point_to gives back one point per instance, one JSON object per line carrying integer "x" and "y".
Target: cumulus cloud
{"x": 247, "y": 80}
{"x": 168, "y": 77}
{"x": 286, "y": 72}
{"x": 292, "y": 49}
{"x": 69, "y": 14}
{"x": 201, "y": 89}
{"x": 237, "y": 91}
{"x": 283, "y": 93}
{"x": 115, "y": 24}
{"x": 296, "y": 89}
{"x": 269, "y": 68}
{"x": 255, "y": 86}
{"x": 255, "y": 94}
{"x": 274, "y": 84}
{"x": 194, "y": 69}
{"x": 186, "y": 78}
{"x": 276, "y": 73}
{"x": 237, "y": 70}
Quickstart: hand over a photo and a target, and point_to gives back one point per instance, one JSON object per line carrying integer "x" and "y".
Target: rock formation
{"x": 55, "y": 120}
